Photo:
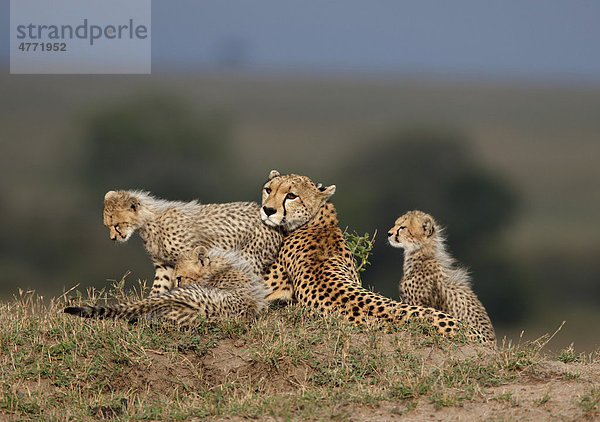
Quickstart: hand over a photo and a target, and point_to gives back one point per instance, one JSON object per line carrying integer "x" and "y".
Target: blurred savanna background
{"x": 486, "y": 116}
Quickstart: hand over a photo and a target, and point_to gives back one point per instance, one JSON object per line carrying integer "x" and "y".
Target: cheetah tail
{"x": 99, "y": 312}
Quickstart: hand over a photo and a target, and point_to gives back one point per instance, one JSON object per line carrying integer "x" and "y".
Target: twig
{"x": 548, "y": 339}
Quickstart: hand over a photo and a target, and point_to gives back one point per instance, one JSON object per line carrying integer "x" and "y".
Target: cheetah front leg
{"x": 278, "y": 283}
{"x": 163, "y": 278}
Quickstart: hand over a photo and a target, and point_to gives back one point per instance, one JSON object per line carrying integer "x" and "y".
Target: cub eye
{"x": 291, "y": 196}
{"x": 401, "y": 227}
{"x": 268, "y": 190}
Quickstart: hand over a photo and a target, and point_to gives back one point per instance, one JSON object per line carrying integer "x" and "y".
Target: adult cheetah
{"x": 430, "y": 276}
{"x": 315, "y": 262}
{"x": 215, "y": 285}
{"x": 169, "y": 229}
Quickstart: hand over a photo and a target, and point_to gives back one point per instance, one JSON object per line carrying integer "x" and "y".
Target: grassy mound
{"x": 288, "y": 364}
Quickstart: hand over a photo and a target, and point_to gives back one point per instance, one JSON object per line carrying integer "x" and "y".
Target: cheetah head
{"x": 191, "y": 265}
{"x": 121, "y": 214}
{"x": 412, "y": 231}
{"x": 290, "y": 200}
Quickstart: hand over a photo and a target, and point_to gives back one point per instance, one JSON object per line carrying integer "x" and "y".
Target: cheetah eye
{"x": 268, "y": 190}
{"x": 178, "y": 279}
{"x": 291, "y": 196}
{"x": 401, "y": 227}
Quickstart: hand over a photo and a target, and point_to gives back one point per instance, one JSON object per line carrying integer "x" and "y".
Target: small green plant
{"x": 411, "y": 405}
{"x": 404, "y": 392}
{"x": 507, "y": 397}
{"x": 361, "y": 247}
{"x": 568, "y": 355}
{"x": 440, "y": 400}
{"x": 544, "y": 399}
{"x": 572, "y": 376}
{"x": 504, "y": 397}
{"x": 516, "y": 359}
{"x": 590, "y": 400}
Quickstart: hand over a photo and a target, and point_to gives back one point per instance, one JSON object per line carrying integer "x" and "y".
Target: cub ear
{"x": 134, "y": 204}
{"x": 327, "y": 192}
{"x": 109, "y": 194}
{"x": 200, "y": 251}
{"x": 273, "y": 174}
{"x": 428, "y": 227}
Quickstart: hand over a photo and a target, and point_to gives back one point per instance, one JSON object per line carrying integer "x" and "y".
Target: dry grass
{"x": 289, "y": 364}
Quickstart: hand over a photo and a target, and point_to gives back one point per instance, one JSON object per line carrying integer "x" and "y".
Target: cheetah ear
{"x": 428, "y": 227}
{"x": 109, "y": 194}
{"x": 273, "y": 174}
{"x": 200, "y": 252}
{"x": 327, "y": 192}
{"x": 134, "y": 204}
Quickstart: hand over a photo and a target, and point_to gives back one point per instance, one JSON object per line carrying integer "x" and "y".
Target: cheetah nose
{"x": 269, "y": 211}
{"x": 390, "y": 234}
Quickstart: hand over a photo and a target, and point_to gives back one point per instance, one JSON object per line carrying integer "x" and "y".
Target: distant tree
{"x": 434, "y": 171}
{"x": 159, "y": 143}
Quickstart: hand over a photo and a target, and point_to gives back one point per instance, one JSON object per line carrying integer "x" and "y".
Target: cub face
{"x": 290, "y": 200}
{"x": 121, "y": 215}
{"x": 412, "y": 230}
{"x": 196, "y": 265}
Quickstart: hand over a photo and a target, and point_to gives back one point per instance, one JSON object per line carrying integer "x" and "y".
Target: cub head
{"x": 412, "y": 231}
{"x": 197, "y": 264}
{"x": 121, "y": 214}
{"x": 290, "y": 200}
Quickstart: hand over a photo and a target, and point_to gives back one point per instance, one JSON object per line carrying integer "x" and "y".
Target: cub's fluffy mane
{"x": 437, "y": 248}
{"x": 159, "y": 205}
{"x": 236, "y": 260}
{"x": 150, "y": 207}
{"x": 239, "y": 263}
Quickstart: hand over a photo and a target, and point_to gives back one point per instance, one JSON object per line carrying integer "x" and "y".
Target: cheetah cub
{"x": 213, "y": 284}
{"x": 226, "y": 270}
{"x": 171, "y": 228}
{"x": 430, "y": 277}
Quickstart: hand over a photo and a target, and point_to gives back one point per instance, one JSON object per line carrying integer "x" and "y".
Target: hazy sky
{"x": 541, "y": 38}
